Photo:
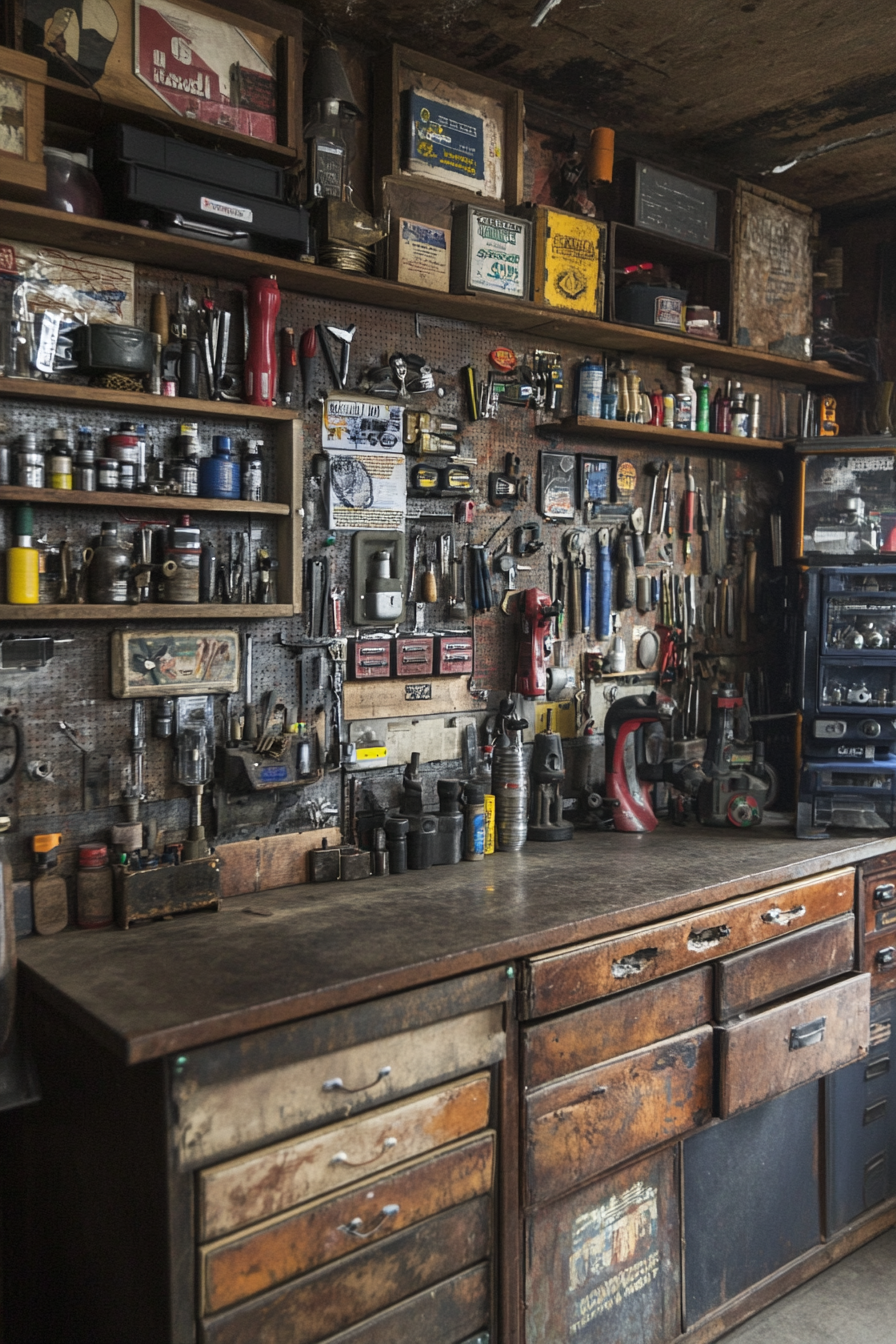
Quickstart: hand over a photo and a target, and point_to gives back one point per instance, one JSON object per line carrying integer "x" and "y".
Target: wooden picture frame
{"x": 221, "y": 72}
{"x": 155, "y": 663}
{"x": 499, "y": 104}
{"x": 22, "y": 82}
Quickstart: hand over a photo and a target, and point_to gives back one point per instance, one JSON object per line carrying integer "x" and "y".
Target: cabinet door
{"x": 751, "y": 1198}
{"x": 603, "y": 1264}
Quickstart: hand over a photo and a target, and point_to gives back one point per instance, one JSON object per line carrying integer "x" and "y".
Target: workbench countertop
{"x": 269, "y": 958}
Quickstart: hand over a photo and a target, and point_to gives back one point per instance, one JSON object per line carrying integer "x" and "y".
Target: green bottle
{"x": 703, "y": 405}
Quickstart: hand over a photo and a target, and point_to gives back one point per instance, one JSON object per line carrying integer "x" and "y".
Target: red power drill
{"x": 263, "y": 305}
{"x": 536, "y": 613}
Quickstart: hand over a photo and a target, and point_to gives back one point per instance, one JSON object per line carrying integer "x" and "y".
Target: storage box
{"x": 490, "y": 253}
{"x": 652, "y": 306}
{"x": 569, "y": 263}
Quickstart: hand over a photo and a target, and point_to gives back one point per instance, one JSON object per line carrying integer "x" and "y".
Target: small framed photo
{"x": 597, "y": 480}
{"x": 558, "y": 486}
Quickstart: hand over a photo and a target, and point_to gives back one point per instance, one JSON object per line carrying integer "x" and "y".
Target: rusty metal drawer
{"x": 587, "y": 1036}
{"x": 594, "y": 1120}
{"x": 767, "y": 1053}
{"x": 283, "y": 1248}
{"x": 761, "y": 974}
{"x": 348, "y": 1291}
{"x": 593, "y": 970}
{"x": 271, "y": 1180}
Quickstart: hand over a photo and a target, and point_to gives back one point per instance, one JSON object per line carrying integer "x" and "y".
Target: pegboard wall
{"x": 75, "y": 684}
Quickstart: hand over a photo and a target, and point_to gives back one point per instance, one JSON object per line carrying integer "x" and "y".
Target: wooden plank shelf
{"x": 157, "y": 611}
{"x": 118, "y": 500}
{"x": 100, "y": 237}
{"x": 77, "y": 394}
{"x": 588, "y": 427}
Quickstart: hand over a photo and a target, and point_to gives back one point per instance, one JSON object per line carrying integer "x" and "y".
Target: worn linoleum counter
{"x": 269, "y": 958}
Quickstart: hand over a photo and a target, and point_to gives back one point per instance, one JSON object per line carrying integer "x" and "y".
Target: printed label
{"x": 223, "y": 208}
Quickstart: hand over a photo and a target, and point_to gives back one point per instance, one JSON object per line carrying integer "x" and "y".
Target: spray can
{"x": 703, "y": 405}
{"x": 474, "y": 823}
{"x": 23, "y": 562}
{"x": 685, "y": 400}
{"x": 510, "y": 782}
{"x": 590, "y": 386}
{"x": 261, "y": 361}
{"x": 252, "y": 485}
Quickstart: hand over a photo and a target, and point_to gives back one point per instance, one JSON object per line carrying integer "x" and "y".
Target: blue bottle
{"x": 219, "y": 475}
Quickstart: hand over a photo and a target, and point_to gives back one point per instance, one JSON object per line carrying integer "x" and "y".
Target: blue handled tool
{"x": 604, "y": 583}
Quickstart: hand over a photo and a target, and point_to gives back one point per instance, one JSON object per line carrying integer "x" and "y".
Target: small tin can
{"x": 108, "y": 474}
{"x": 123, "y": 447}
{"x": 127, "y": 476}
{"x": 85, "y": 462}
{"x": 30, "y": 468}
{"x": 183, "y": 544}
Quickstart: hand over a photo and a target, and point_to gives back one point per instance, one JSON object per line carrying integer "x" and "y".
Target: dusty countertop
{"x": 264, "y": 959}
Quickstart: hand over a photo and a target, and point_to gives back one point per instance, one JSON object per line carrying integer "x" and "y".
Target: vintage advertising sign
{"x": 424, "y": 255}
{"x": 491, "y": 253}
{"x": 165, "y": 662}
{"x": 444, "y": 140}
{"x": 371, "y": 423}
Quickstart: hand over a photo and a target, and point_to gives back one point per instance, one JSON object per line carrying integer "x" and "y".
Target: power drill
{"x": 536, "y": 613}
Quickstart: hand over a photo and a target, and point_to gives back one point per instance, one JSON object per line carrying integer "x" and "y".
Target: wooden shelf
{"x": 118, "y": 500}
{"x": 77, "y": 394}
{"x": 588, "y": 427}
{"x": 100, "y": 237}
{"x": 141, "y": 611}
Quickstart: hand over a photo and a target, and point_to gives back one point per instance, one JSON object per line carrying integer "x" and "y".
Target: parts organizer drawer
{"x": 231, "y": 1097}
{"x": 592, "y": 971}
{"x": 764, "y": 1054}
{"x": 755, "y": 977}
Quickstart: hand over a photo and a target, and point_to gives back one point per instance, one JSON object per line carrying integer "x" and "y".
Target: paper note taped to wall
{"x": 367, "y": 490}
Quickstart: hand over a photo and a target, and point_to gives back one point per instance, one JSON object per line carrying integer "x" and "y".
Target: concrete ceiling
{"x": 745, "y": 87}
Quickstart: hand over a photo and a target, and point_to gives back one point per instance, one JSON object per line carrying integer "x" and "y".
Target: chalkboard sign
{"x": 673, "y": 205}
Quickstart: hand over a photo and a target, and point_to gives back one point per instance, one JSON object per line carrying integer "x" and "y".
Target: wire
{"x": 8, "y": 722}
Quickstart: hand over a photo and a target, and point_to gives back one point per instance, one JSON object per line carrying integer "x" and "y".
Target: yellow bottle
{"x": 22, "y": 582}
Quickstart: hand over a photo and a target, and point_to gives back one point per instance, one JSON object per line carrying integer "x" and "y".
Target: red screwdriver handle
{"x": 261, "y": 361}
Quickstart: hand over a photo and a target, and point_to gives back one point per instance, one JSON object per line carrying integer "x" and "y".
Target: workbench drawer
{"x": 295, "y": 1243}
{"x": 879, "y": 893}
{"x": 271, "y": 1180}
{"x": 774, "y": 1051}
{"x": 584, "y": 1125}
{"x": 587, "y": 1036}
{"x": 454, "y": 1312}
{"x": 593, "y": 970}
{"x": 342, "y": 1294}
{"x": 879, "y": 959}
{"x": 761, "y": 974}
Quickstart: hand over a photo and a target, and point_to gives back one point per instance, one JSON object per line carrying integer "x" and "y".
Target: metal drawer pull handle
{"x": 886, "y": 956}
{"x": 810, "y": 1033}
{"x": 634, "y": 963}
{"x": 878, "y": 1068}
{"x": 701, "y": 939}
{"x": 776, "y": 916}
{"x": 875, "y": 1164}
{"x": 885, "y": 893}
{"x": 876, "y": 1111}
{"x": 338, "y": 1158}
{"x": 354, "y": 1227}
{"x": 337, "y": 1085}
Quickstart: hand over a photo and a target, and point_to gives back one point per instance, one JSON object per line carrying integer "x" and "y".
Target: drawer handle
{"x": 784, "y": 917}
{"x": 810, "y": 1033}
{"x": 337, "y": 1085}
{"x": 634, "y": 963}
{"x": 878, "y": 1068}
{"x": 876, "y": 1111}
{"x": 701, "y": 939}
{"x": 885, "y": 893}
{"x": 354, "y": 1228}
{"x": 342, "y": 1158}
{"x": 886, "y": 956}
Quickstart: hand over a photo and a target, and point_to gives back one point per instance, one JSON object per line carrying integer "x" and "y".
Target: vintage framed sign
{"x": 22, "y": 80}
{"x": 174, "y": 662}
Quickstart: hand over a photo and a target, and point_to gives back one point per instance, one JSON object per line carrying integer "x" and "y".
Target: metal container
{"x": 510, "y": 785}
{"x": 219, "y": 475}
{"x": 5, "y": 465}
{"x": 109, "y": 567}
{"x": 183, "y": 545}
{"x": 108, "y": 474}
{"x": 85, "y": 462}
{"x": 30, "y": 469}
{"x": 252, "y": 473}
{"x": 491, "y": 253}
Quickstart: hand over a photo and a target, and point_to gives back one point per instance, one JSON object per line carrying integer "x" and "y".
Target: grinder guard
{"x": 624, "y": 793}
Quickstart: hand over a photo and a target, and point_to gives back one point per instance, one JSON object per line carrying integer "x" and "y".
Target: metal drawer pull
{"x": 337, "y": 1085}
{"x": 701, "y": 939}
{"x": 876, "y": 1111}
{"x": 810, "y": 1033}
{"x": 634, "y": 963}
{"x": 885, "y": 893}
{"x": 338, "y": 1158}
{"x": 776, "y": 916}
{"x": 878, "y": 1068}
{"x": 354, "y": 1227}
{"x": 875, "y": 1165}
{"x": 886, "y": 956}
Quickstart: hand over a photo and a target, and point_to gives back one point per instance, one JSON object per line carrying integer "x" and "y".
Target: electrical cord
{"x": 8, "y": 722}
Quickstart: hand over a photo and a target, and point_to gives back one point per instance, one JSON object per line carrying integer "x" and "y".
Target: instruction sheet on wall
{"x": 362, "y": 437}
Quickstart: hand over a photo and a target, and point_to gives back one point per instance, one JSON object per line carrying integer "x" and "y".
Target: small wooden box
{"x": 569, "y": 265}
{"x": 22, "y": 82}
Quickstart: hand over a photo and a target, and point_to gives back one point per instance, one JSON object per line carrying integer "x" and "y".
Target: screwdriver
{"x": 429, "y": 586}
{"x": 688, "y": 503}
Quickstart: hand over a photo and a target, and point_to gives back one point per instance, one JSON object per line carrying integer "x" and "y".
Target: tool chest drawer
{"x": 586, "y": 1036}
{"x": 760, "y": 974}
{"x": 766, "y": 1053}
{"x": 879, "y": 897}
{"x": 879, "y": 959}
{"x": 455, "y": 1311}
{"x": 279, "y": 1249}
{"x": 233, "y": 1097}
{"x": 593, "y": 970}
{"x": 600, "y": 1117}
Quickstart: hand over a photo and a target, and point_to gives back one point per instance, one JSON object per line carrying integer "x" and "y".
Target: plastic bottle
{"x": 685, "y": 400}
{"x": 590, "y": 386}
{"x": 94, "y": 887}
{"x": 510, "y": 780}
{"x": 474, "y": 823}
{"x": 703, "y": 405}
{"x": 219, "y": 475}
{"x": 723, "y": 411}
{"x": 22, "y": 561}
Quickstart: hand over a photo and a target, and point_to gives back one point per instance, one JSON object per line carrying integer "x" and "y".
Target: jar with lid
{"x": 94, "y": 887}
{"x": 30, "y": 463}
{"x": 123, "y": 446}
{"x": 59, "y": 461}
{"x": 85, "y": 461}
{"x": 219, "y": 475}
{"x": 183, "y": 545}
{"x": 185, "y": 470}
{"x": 252, "y": 472}
{"x": 108, "y": 567}
{"x": 108, "y": 474}
{"x": 5, "y": 465}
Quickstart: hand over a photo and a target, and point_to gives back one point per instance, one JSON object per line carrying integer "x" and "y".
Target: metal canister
{"x": 85, "y": 461}
{"x": 108, "y": 474}
{"x": 59, "y": 461}
{"x": 109, "y": 567}
{"x": 754, "y": 406}
{"x": 123, "y": 446}
{"x": 30, "y": 468}
{"x": 183, "y": 545}
{"x": 510, "y": 785}
{"x": 252, "y": 473}
{"x": 5, "y": 464}
{"x": 185, "y": 469}
{"x": 127, "y": 476}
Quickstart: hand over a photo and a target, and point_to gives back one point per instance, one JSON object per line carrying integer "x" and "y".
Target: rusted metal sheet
{"x": 601, "y": 1031}
{"x": 266, "y": 1183}
{"x": 591, "y": 971}
{"x": 603, "y": 1264}
{"x": 772, "y": 272}
{"x": 300, "y": 1241}
{"x": 767, "y": 1053}
{"x": 761, "y": 974}
{"x": 600, "y": 1117}
{"x": 339, "y": 1295}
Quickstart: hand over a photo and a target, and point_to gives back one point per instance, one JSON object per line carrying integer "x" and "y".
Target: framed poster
{"x": 174, "y": 662}
{"x": 597, "y": 480}
{"x": 558, "y": 486}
